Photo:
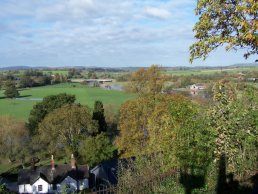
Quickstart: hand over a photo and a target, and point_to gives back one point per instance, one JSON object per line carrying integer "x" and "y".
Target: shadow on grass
{"x": 23, "y": 96}
{"x": 226, "y": 183}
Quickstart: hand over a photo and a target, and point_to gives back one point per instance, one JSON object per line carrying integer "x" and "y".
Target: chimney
{"x": 73, "y": 165}
{"x": 52, "y": 163}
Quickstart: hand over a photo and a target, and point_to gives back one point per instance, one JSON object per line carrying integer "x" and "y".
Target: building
{"x": 54, "y": 178}
{"x": 197, "y": 87}
{"x": 105, "y": 173}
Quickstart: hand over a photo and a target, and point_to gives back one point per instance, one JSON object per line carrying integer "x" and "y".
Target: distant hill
{"x": 20, "y": 68}
{"x": 113, "y": 69}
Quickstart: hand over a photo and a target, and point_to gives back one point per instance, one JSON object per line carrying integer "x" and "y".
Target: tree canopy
{"x": 48, "y": 104}
{"x": 12, "y": 138}
{"x": 10, "y": 89}
{"x": 234, "y": 120}
{"x": 170, "y": 125}
{"x": 98, "y": 114}
{"x": 233, "y": 23}
{"x": 67, "y": 126}
{"x": 146, "y": 81}
{"x": 95, "y": 149}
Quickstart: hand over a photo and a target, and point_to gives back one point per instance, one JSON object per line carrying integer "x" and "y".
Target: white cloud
{"x": 160, "y": 13}
{"x": 95, "y": 32}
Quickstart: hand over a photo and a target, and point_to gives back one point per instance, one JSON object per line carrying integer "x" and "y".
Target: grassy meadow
{"x": 211, "y": 71}
{"x": 84, "y": 95}
{"x": 51, "y": 72}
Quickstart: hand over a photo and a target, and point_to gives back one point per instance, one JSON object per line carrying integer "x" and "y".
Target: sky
{"x": 104, "y": 33}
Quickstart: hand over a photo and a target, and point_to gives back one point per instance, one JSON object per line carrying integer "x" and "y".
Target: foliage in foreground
{"x": 230, "y": 23}
{"x": 212, "y": 150}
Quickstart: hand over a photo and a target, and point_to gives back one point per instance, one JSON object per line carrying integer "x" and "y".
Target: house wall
{"x": 26, "y": 188}
{"x": 45, "y": 186}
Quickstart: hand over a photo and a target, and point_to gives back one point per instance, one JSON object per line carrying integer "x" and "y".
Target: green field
{"x": 51, "y": 72}
{"x": 84, "y": 95}
{"x": 210, "y": 71}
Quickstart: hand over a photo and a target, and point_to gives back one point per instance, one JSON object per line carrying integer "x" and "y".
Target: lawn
{"x": 84, "y": 95}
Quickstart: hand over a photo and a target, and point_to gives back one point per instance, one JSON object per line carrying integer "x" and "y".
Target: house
{"x": 197, "y": 87}
{"x": 105, "y": 173}
{"x": 54, "y": 178}
{"x": 252, "y": 79}
{"x": 11, "y": 186}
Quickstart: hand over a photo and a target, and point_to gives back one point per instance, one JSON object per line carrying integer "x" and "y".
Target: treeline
{"x": 58, "y": 126}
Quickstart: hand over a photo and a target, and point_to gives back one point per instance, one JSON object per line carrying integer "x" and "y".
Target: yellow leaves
{"x": 149, "y": 126}
{"x": 220, "y": 22}
{"x": 146, "y": 81}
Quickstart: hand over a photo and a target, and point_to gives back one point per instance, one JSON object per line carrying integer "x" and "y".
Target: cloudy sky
{"x": 110, "y": 33}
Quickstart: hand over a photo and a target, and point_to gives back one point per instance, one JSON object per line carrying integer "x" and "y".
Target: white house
{"x": 197, "y": 87}
{"x": 54, "y": 178}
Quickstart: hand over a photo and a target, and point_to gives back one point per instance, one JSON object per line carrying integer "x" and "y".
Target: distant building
{"x": 197, "y": 87}
{"x": 252, "y": 79}
{"x": 53, "y": 178}
{"x": 100, "y": 81}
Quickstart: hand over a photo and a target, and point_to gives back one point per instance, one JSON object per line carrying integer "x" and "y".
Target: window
{"x": 40, "y": 188}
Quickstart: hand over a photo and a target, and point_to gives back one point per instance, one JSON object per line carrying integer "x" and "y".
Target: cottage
{"x": 53, "y": 178}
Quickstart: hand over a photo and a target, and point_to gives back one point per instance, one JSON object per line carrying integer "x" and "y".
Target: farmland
{"x": 210, "y": 71}
{"x": 84, "y": 95}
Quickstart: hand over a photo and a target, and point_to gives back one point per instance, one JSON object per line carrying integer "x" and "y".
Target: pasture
{"x": 20, "y": 108}
{"x": 210, "y": 71}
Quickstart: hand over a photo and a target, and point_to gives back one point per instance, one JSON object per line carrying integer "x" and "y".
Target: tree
{"x": 98, "y": 114}
{"x": 48, "y": 104}
{"x": 132, "y": 127}
{"x": 165, "y": 133}
{"x": 74, "y": 73}
{"x": 92, "y": 75}
{"x": 1, "y": 82}
{"x": 26, "y": 81}
{"x": 10, "y": 89}
{"x": 234, "y": 120}
{"x": 67, "y": 126}
{"x": 96, "y": 149}
{"x": 146, "y": 81}
{"x": 168, "y": 124}
{"x": 12, "y": 138}
{"x": 233, "y": 23}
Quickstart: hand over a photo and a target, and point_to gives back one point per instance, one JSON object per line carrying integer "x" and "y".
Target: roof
{"x": 30, "y": 176}
{"x": 107, "y": 171}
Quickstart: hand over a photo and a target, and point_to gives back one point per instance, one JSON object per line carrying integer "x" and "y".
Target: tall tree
{"x": 12, "y": 138}
{"x": 95, "y": 149}
{"x": 99, "y": 115}
{"x": 233, "y": 23}
{"x": 146, "y": 81}
{"x": 67, "y": 126}
{"x": 10, "y": 89}
{"x": 170, "y": 125}
{"x": 41, "y": 109}
{"x": 234, "y": 120}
